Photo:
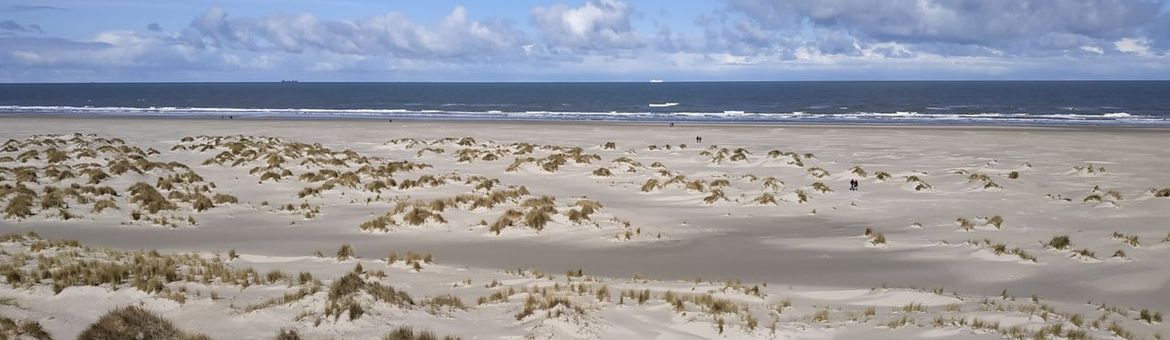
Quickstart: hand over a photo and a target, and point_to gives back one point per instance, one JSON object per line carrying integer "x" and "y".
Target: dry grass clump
{"x": 996, "y": 221}
{"x": 287, "y": 334}
{"x": 795, "y": 158}
{"x": 201, "y": 203}
{"x": 1002, "y": 249}
{"x": 23, "y": 329}
{"x": 412, "y": 259}
{"x": 609, "y": 146}
{"x": 1161, "y": 192}
{"x": 821, "y": 187}
{"x": 1058, "y": 242}
{"x": 408, "y": 333}
{"x": 914, "y": 307}
{"x": 537, "y": 218}
{"x": 380, "y": 223}
{"x": 1107, "y": 196}
{"x": 312, "y": 288}
{"x": 1090, "y": 169}
{"x": 507, "y": 219}
{"x": 1131, "y": 240}
{"x": 1150, "y": 317}
{"x": 346, "y": 252}
{"x": 858, "y": 170}
{"x": 986, "y": 180}
{"x": 919, "y": 184}
{"x": 148, "y": 198}
{"x": 965, "y": 224}
{"x": 1014, "y": 175}
{"x": 345, "y": 294}
{"x": 588, "y": 206}
{"x": 801, "y": 196}
{"x": 739, "y": 155}
{"x": 132, "y": 322}
{"x": 650, "y": 185}
{"x": 149, "y": 272}
{"x": 715, "y": 196}
{"x": 765, "y": 198}
{"x": 818, "y": 172}
{"x": 221, "y": 198}
{"x": 519, "y": 162}
{"x": 103, "y": 204}
{"x": 602, "y": 172}
{"x": 440, "y": 303}
{"x": 1086, "y": 253}
{"x": 876, "y": 238}
{"x": 696, "y": 185}
{"x": 771, "y": 183}
{"x": 628, "y": 161}
{"x": 19, "y": 207}
{"x": 556, "y": 305}
{"x": 419, "y": 215}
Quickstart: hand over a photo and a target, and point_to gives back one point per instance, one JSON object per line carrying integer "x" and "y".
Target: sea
{"x": 1106, "y": 103}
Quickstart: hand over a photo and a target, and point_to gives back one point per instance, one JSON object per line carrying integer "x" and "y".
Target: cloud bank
{"x": 615, "y": 40}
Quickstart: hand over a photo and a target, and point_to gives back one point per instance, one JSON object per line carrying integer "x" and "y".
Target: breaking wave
{"x": 730, "y": 116}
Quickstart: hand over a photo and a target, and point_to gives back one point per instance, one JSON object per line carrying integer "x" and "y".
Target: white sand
{"x": 817, "y": 260}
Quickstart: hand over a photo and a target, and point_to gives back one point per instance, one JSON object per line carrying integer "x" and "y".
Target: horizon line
{"x": 294, "y": 82}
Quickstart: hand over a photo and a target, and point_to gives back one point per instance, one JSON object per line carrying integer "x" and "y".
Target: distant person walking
{"x": 698, "y": 140}
{"x": 853, "y": 184}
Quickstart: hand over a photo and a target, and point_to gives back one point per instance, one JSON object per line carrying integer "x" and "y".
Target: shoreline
{"x": 728, "y": 124}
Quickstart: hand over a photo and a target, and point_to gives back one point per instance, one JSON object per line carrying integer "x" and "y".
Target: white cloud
{"x": 454, "y": 37}
{"x": 598, "y": 25}
{"x": 1131, "y": 45}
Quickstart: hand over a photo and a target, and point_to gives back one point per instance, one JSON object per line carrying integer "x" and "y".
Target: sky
{"x": 590, "y": 40}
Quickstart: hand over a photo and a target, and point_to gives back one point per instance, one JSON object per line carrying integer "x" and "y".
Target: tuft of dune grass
{"x": 858, "y": 170}
{"x": 345, "y": 252}
{"x": 19, "y": 207}
{"x": 23, "y": 329}
{"x": 103, "y": 204}
{"x": 1058, "y": 242}
{"x": 715, "y": 196}
{"x": 801, "y": 196}
{"x": 408, "y": 333}
{"x": 132, "y": 322}
{"x": 148, "y": 198}
{"x": 996, "y": 221}
{"x": 202, "y": 203}
{"x": 650, "y": 185}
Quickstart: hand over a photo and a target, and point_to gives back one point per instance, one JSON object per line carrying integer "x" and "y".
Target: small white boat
{"x": 655, "y": 80}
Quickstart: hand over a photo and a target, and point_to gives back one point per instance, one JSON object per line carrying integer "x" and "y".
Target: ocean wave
{"x": 663, "y": 104}
{"x": 993, "y": 118}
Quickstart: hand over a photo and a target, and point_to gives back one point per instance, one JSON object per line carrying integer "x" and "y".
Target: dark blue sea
{"x": 1145, "y": 103}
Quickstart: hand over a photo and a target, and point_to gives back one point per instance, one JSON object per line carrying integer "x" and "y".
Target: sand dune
{"x": 569, "y": 230}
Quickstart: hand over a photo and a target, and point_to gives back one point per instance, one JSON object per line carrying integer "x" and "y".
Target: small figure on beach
{"x": 671, "y": 124}
{"x": 698, "y": 140}
{"x": 853, "y": 184}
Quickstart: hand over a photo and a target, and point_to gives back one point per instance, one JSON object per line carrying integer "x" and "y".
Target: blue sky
{"x": 591, "y": 40}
